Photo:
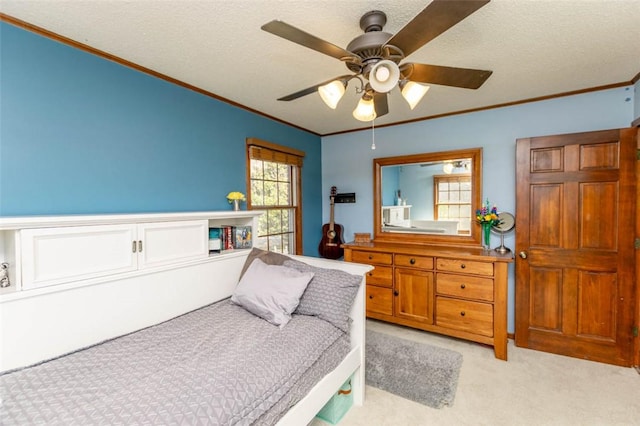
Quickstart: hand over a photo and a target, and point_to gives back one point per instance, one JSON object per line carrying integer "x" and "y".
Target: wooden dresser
{"x": 460, "y": 292}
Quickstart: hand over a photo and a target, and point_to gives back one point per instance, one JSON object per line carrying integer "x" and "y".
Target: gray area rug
{"x": 412, "y": 370}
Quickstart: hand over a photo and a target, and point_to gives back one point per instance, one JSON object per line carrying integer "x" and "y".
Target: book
{"x": 215, "y": 239}
{"x": 227, "y": 237}
{"x": 242, "y": 237}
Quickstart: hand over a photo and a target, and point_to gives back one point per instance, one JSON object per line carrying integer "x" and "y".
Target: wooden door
{"x": 575, "y": 269}
{"x": 413, "y": 295}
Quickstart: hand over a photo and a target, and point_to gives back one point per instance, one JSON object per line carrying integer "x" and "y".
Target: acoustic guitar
{"x": 331, "y": 244}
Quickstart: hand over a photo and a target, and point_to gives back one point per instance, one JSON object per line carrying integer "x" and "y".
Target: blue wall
{"x": 82, "y": 135}
{"x": 636, "y": 89}
{"x": 494, "y": 130}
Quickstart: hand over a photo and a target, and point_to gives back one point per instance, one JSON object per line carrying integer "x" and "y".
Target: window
{"x": 453, "y": 200}
{"x": 274, "y": 174}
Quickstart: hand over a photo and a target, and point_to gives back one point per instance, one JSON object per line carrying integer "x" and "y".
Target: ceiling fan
{"x": 375, "y": 58}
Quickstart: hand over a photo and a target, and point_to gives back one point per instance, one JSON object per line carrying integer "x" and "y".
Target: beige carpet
{"x": 532, "y": 388}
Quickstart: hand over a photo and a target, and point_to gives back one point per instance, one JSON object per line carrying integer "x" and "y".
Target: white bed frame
{"x": 43, "y": 323}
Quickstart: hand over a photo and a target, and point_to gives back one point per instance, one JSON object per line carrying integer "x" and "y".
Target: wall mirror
{"x": 428, "y": 198}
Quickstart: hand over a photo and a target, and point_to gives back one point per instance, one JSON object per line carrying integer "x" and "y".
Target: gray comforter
{"x": 218, "y": 365}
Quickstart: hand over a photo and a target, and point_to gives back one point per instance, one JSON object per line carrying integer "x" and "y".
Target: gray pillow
{"x": 268, "y": 257}
{"x": 271, "y": 292}
{"x": 329, "y": 295}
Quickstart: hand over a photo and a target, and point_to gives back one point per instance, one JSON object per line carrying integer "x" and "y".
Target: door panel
{"x": 596, "y": 305}
{"x": 546, "y": 298}
{"x": 414, "y": 295}
{"x": 58, "y": 255}
{"x": 546, "y": 201}
{"x": 594, "y": 234}
{"x": 575, "y": 221}
{"x": 169, "y": 242}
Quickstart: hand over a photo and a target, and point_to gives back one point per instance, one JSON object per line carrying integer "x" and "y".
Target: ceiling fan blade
{"x": 445, "y": 76}
{"x": 309, "y": 90}
{"x": 291, "y": 33}
{"x": 381, "y": 104}
{"x": 436, "y": 18}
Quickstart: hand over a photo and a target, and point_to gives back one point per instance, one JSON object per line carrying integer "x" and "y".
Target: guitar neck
{"x": 331, "y": 226}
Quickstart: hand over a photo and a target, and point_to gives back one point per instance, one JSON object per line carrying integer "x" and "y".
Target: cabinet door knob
{"x": 523, "y": 254}
{"x": 462, "y": 313}
{"x": 463, "y": 266}
{"x": 412, "y": 261}
{"x": 395, "y": 293}
{"x": 463, "y": 286}
{"x": 370, "y": 296}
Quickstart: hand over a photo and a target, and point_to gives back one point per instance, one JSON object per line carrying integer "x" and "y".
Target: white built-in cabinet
{"x": 52, "y": 256}
{"x": 51, "y": 251}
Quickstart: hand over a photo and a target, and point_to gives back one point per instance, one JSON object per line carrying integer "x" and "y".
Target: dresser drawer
{"x": 466, "y": 286}
{"x": 472, "y": 317}
{"x": 371, "y": 257}
{"x": 381, "y": 276}
{"x": 422, "y": 262}
{"x": 466, "y": 266}
{"x": 379, "y": 300}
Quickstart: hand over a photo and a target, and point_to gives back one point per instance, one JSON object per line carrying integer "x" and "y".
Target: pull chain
{"x": 373, "y": 134}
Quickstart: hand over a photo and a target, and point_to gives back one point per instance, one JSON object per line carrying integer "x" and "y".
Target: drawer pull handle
{"x": 370, "y": 257}
{"x": 462, "y": 314}
{"x": 370, "y": 274}
{"x": 463, "y": 286}
{"x": 463, "y": 266}
{"x": 412, "y": 261}
{"x": 370, "y": 296}
{"x": 396, "y": 293}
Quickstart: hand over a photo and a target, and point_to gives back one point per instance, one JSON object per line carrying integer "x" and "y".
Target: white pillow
{"x": 271, "y": 292}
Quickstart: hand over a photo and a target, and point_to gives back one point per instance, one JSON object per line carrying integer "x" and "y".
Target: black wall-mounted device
{"x": 347, "y": 197}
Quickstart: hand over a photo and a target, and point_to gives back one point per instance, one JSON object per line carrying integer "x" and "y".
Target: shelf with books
{"x": 232, "y": 233}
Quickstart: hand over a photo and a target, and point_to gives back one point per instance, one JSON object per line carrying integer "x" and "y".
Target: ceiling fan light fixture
{"x": 413, "y": 92}
{"x": 331, "y": 93}
{"x": 365, "y": 111}
{"x": 384, "y": 76}
{"x": 447, "y": 167}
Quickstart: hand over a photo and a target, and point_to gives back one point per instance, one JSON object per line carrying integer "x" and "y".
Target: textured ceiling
{"x": 535, "y": 48}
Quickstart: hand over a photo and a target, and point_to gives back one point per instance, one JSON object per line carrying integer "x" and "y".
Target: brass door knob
{"x": 523, "y": 254}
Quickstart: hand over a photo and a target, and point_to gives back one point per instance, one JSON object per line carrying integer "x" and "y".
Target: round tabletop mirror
{"x": 506, "y": 224}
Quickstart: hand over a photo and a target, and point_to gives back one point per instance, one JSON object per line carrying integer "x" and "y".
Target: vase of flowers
{"x": 235, "y": 198}
{"x": 487, "y": 217}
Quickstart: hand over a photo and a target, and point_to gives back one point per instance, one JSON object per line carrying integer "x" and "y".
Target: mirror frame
{"x": 475, "y": 154}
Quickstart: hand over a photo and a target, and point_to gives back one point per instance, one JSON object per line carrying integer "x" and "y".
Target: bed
{"x": 218, "y": 364}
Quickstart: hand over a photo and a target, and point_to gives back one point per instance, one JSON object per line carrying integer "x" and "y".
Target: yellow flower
{"x": 235, "y": 195}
